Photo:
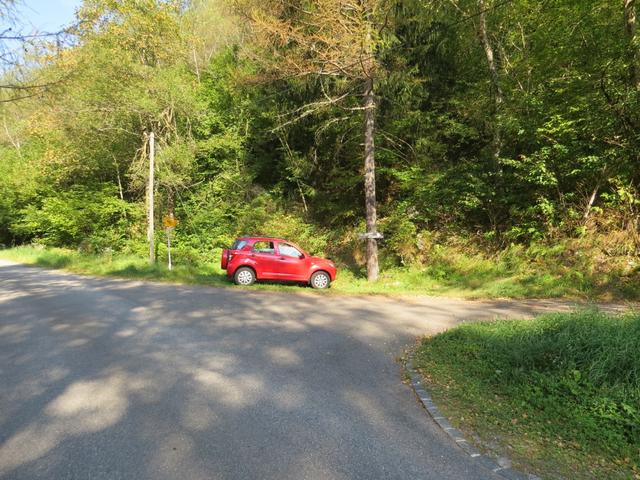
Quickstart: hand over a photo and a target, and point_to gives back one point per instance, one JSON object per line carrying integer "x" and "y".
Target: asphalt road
{"x": 109, "y": 379}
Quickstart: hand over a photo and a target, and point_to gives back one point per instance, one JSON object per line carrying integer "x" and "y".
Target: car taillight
{"x": 224, "y": 259}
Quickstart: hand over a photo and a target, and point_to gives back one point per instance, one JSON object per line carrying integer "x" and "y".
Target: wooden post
{"x": 150, "y": 200}
{"x": 370, "y": 179}
{"x": 169, "y": 222}
{"x": 169, "y": 248}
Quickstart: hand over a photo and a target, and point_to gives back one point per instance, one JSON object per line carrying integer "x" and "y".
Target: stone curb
{"x": 456, "y": 435}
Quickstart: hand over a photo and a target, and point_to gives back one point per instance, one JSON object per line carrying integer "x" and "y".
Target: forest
{"x": 507, "y": 131}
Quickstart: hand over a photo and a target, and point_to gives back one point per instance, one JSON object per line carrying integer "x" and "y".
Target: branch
{"x": 315, "y": 105}
{"x": 15, "y": 99}
{"x": 309, "y": 109}
{"x": 28, "y": 87}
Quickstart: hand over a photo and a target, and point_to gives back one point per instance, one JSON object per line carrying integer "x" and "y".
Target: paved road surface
{"x": 110, "y": 379}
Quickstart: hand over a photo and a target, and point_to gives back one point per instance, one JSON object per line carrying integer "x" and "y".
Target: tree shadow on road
{"x": 105, "y": 378}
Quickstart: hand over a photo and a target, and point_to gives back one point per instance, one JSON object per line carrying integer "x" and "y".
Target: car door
{"x": 263, "y": 257}
{"x": 292, "y": 263}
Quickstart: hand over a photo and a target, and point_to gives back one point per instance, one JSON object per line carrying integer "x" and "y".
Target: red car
{"x": 264, "y": 258}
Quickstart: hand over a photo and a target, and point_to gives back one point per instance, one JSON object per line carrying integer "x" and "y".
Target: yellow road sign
{"x": 169, "y": 221}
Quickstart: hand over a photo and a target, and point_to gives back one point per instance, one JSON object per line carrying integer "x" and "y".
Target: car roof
{"x": 270, "y": 239}
{"x": 265, "y": 239}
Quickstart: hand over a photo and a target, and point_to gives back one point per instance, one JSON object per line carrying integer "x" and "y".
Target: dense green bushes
{"x": 91, "y": 218}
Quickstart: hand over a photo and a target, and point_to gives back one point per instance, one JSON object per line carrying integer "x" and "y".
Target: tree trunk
{"x": 488, "y": 50}
{"x": 634, "y": 42}
{"x": 150, "y": 200}
{"x": 15, "y": 142}
{"x": 115, "y": 162}
{"x": 498, "y": 97}
{"x": 370, "y": 179}
{"x": 590, "y": 203}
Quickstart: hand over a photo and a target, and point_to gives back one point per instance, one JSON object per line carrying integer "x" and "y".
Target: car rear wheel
{"x": 244, "y": 276}
{"x": 320, "y": 280}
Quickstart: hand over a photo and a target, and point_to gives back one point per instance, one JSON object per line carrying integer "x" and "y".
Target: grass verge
{"x": 123, "y": 266}
{"x": 449, "y": 272}
{"x": 559, "y": 395}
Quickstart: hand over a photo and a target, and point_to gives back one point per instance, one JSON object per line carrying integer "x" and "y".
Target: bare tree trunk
{"x": 150, "y": 200}
{"x": 498, "y": 98}
{"x": 115, "y": 162}
{"x": 370, "y": 179}
{"x": 594, "y": 194}
{"x": 488, "y": 50}
{"x": 304, "y": 200}
{"x": 590, "y": 203}
{"x": 195, "y": 64}
{"x": 634, "y": 42}
{"x": 14, "y": 142}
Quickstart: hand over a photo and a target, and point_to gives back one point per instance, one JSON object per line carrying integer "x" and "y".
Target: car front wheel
{"x": 320, "y": 280}
{"x": 244, "y": 276}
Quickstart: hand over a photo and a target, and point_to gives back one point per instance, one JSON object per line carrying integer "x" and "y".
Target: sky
{"x": 46, "y": 15}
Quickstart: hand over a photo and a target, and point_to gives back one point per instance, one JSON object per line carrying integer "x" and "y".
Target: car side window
{"x": 289, "y": 250}
{"x": 263, "y": 247}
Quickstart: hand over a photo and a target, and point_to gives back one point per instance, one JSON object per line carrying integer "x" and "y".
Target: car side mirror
{"x": 301, "y": 256}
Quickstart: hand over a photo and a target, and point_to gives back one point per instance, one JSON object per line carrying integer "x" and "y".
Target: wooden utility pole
{"x": 150, "y": 199}
{"x": 370, "y": 179}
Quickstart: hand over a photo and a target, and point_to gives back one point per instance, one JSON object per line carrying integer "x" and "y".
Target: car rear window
{"x": 238, "y": 245}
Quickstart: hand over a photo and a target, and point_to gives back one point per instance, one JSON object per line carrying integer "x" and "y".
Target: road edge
{"x": 456, "y": 435}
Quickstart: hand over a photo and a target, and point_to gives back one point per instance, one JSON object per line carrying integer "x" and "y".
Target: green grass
{"x": 124, "y": 266}
{"x": 559, "y": 395}
{"x": 128, "y": 267}
{"x": 449, "y": 272}
{"x": 551, "y": 272}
